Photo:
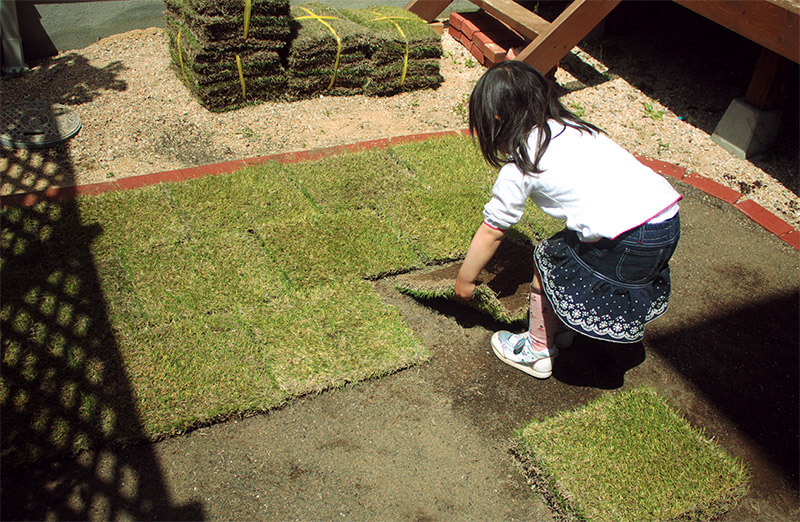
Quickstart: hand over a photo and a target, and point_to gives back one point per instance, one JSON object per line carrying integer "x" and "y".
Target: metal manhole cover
{"x": 37, "y": 125}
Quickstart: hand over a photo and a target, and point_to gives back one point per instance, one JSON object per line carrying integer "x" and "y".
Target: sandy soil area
{"x": 137, "y": 118}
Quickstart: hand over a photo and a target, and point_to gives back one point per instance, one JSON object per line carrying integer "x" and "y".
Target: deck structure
{"x": 751, "y": 123}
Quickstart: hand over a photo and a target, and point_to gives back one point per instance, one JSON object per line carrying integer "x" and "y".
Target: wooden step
{"x": 547, "y": 43}
{"x": 525, "y": 22}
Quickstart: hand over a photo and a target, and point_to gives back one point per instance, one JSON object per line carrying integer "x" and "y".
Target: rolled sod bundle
{"x": 405, "y": 51}
{"x": 503, "y": 290}
{"x": 231, "y": 27}
{"x": 210, "y": 64}
{"x": 225, "y": 8}
{"x": 390, "y": 79}
{"x": 229, "y": 95}
{"x": 231, "y": 52}
{"x": 328, "y": 54}
{"x": 228, "y": 52}
{"x": 397, "y": 33}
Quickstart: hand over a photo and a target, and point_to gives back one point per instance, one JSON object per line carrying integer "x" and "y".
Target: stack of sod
{"x": 406, "y": 51}
{"x": 328, "y": 54}
{"x": 227, "y": 52}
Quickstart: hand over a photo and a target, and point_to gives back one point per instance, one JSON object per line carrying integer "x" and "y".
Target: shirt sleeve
{"x": 507, "y": 205}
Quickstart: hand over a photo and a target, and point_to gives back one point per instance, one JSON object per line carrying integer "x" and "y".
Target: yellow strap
{"x": 241, "y": 75}
{"x": 248, "y": 7}
{"x": 313, "y": 16}
{"x": 180, "y": 57}
{"x": 400, "y": 30}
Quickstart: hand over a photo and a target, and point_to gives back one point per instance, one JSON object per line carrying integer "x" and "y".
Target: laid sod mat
{"x": 138, "y": 314}
{"x": 628, "y": 457}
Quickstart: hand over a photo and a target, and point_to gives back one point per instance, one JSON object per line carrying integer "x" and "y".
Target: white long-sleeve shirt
{"x": 598, "y": 188}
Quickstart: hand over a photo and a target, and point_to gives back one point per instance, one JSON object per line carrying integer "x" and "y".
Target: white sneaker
{"x": 517, "y": 350}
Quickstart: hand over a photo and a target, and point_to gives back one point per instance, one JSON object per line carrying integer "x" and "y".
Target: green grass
{"x": 628, "y": 457}
{"x": 143, "y": 313}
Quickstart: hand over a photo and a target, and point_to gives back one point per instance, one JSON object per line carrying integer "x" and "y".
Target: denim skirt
{"x": 609, "y": 289}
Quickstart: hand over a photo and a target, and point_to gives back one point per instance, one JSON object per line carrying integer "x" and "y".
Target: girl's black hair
{"x": 509, "y": 101}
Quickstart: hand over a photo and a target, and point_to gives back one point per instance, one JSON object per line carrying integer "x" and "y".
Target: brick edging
{"x": 750, "y": 208}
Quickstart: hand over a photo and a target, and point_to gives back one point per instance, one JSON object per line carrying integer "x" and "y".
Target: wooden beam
{"x": 772, "y": 24}
{"x": 564, "y": 33}
{"x": 523, "y": 21}
{"x": 428, "y": 10}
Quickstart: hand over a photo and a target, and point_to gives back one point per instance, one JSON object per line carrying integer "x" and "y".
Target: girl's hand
{"x": 484, "y": 244}
{"x": 465, "y": 290}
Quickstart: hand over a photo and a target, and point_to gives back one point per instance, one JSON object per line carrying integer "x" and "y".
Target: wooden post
{"x": 571, "y": 26}
{"x": 764, "y": 89}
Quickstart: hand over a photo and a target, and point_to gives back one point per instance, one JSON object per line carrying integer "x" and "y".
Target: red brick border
{"x": 751, "y": 209}
{"x": 764, "y": 217}
{"x": 713, "y": 188}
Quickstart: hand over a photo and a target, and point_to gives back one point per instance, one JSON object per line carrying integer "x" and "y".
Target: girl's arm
{"x": 481, "y": 250}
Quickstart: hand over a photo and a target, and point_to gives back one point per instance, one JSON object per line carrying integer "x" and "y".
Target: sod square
{"x": 454, "y": 163}
{"x": 335, "y": 334}
{"x": 194, "y": 369}
{"x": 352, "y": 181}
{"x": 335, "y": 246}
{"x": 439, "y": 225}
{"x": 447, "y": 163}
{"x": 137, "y": 219}
{"x": 211, "y": 274}
{"x": 629, "y": 456}
{"x": 262, "y": 194}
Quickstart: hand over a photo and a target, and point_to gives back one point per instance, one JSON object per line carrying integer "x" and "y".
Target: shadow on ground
{"x": 64, "y": 387}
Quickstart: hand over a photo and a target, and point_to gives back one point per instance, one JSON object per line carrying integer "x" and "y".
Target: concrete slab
{"x": 745, "y": 130}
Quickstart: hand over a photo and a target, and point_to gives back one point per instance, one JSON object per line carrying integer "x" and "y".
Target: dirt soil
{"x": 431, "y": 442}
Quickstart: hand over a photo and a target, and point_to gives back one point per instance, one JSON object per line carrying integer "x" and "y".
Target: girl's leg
{"x": 544, "y": 325}
{"x": 531, "y": 351}
{"x": 543, "y": 322}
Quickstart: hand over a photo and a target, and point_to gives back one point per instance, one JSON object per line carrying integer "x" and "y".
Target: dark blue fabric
{"x": 609, "y": 289}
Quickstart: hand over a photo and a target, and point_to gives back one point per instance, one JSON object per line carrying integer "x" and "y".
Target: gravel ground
{"x": 137, "y": 118}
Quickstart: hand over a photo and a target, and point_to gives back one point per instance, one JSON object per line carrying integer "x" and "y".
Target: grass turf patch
{"x": 136, "y": 314}
{"x": 627, "y": 457}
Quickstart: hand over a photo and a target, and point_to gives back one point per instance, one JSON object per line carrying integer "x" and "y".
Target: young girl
{"x": 606, "y": 274}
